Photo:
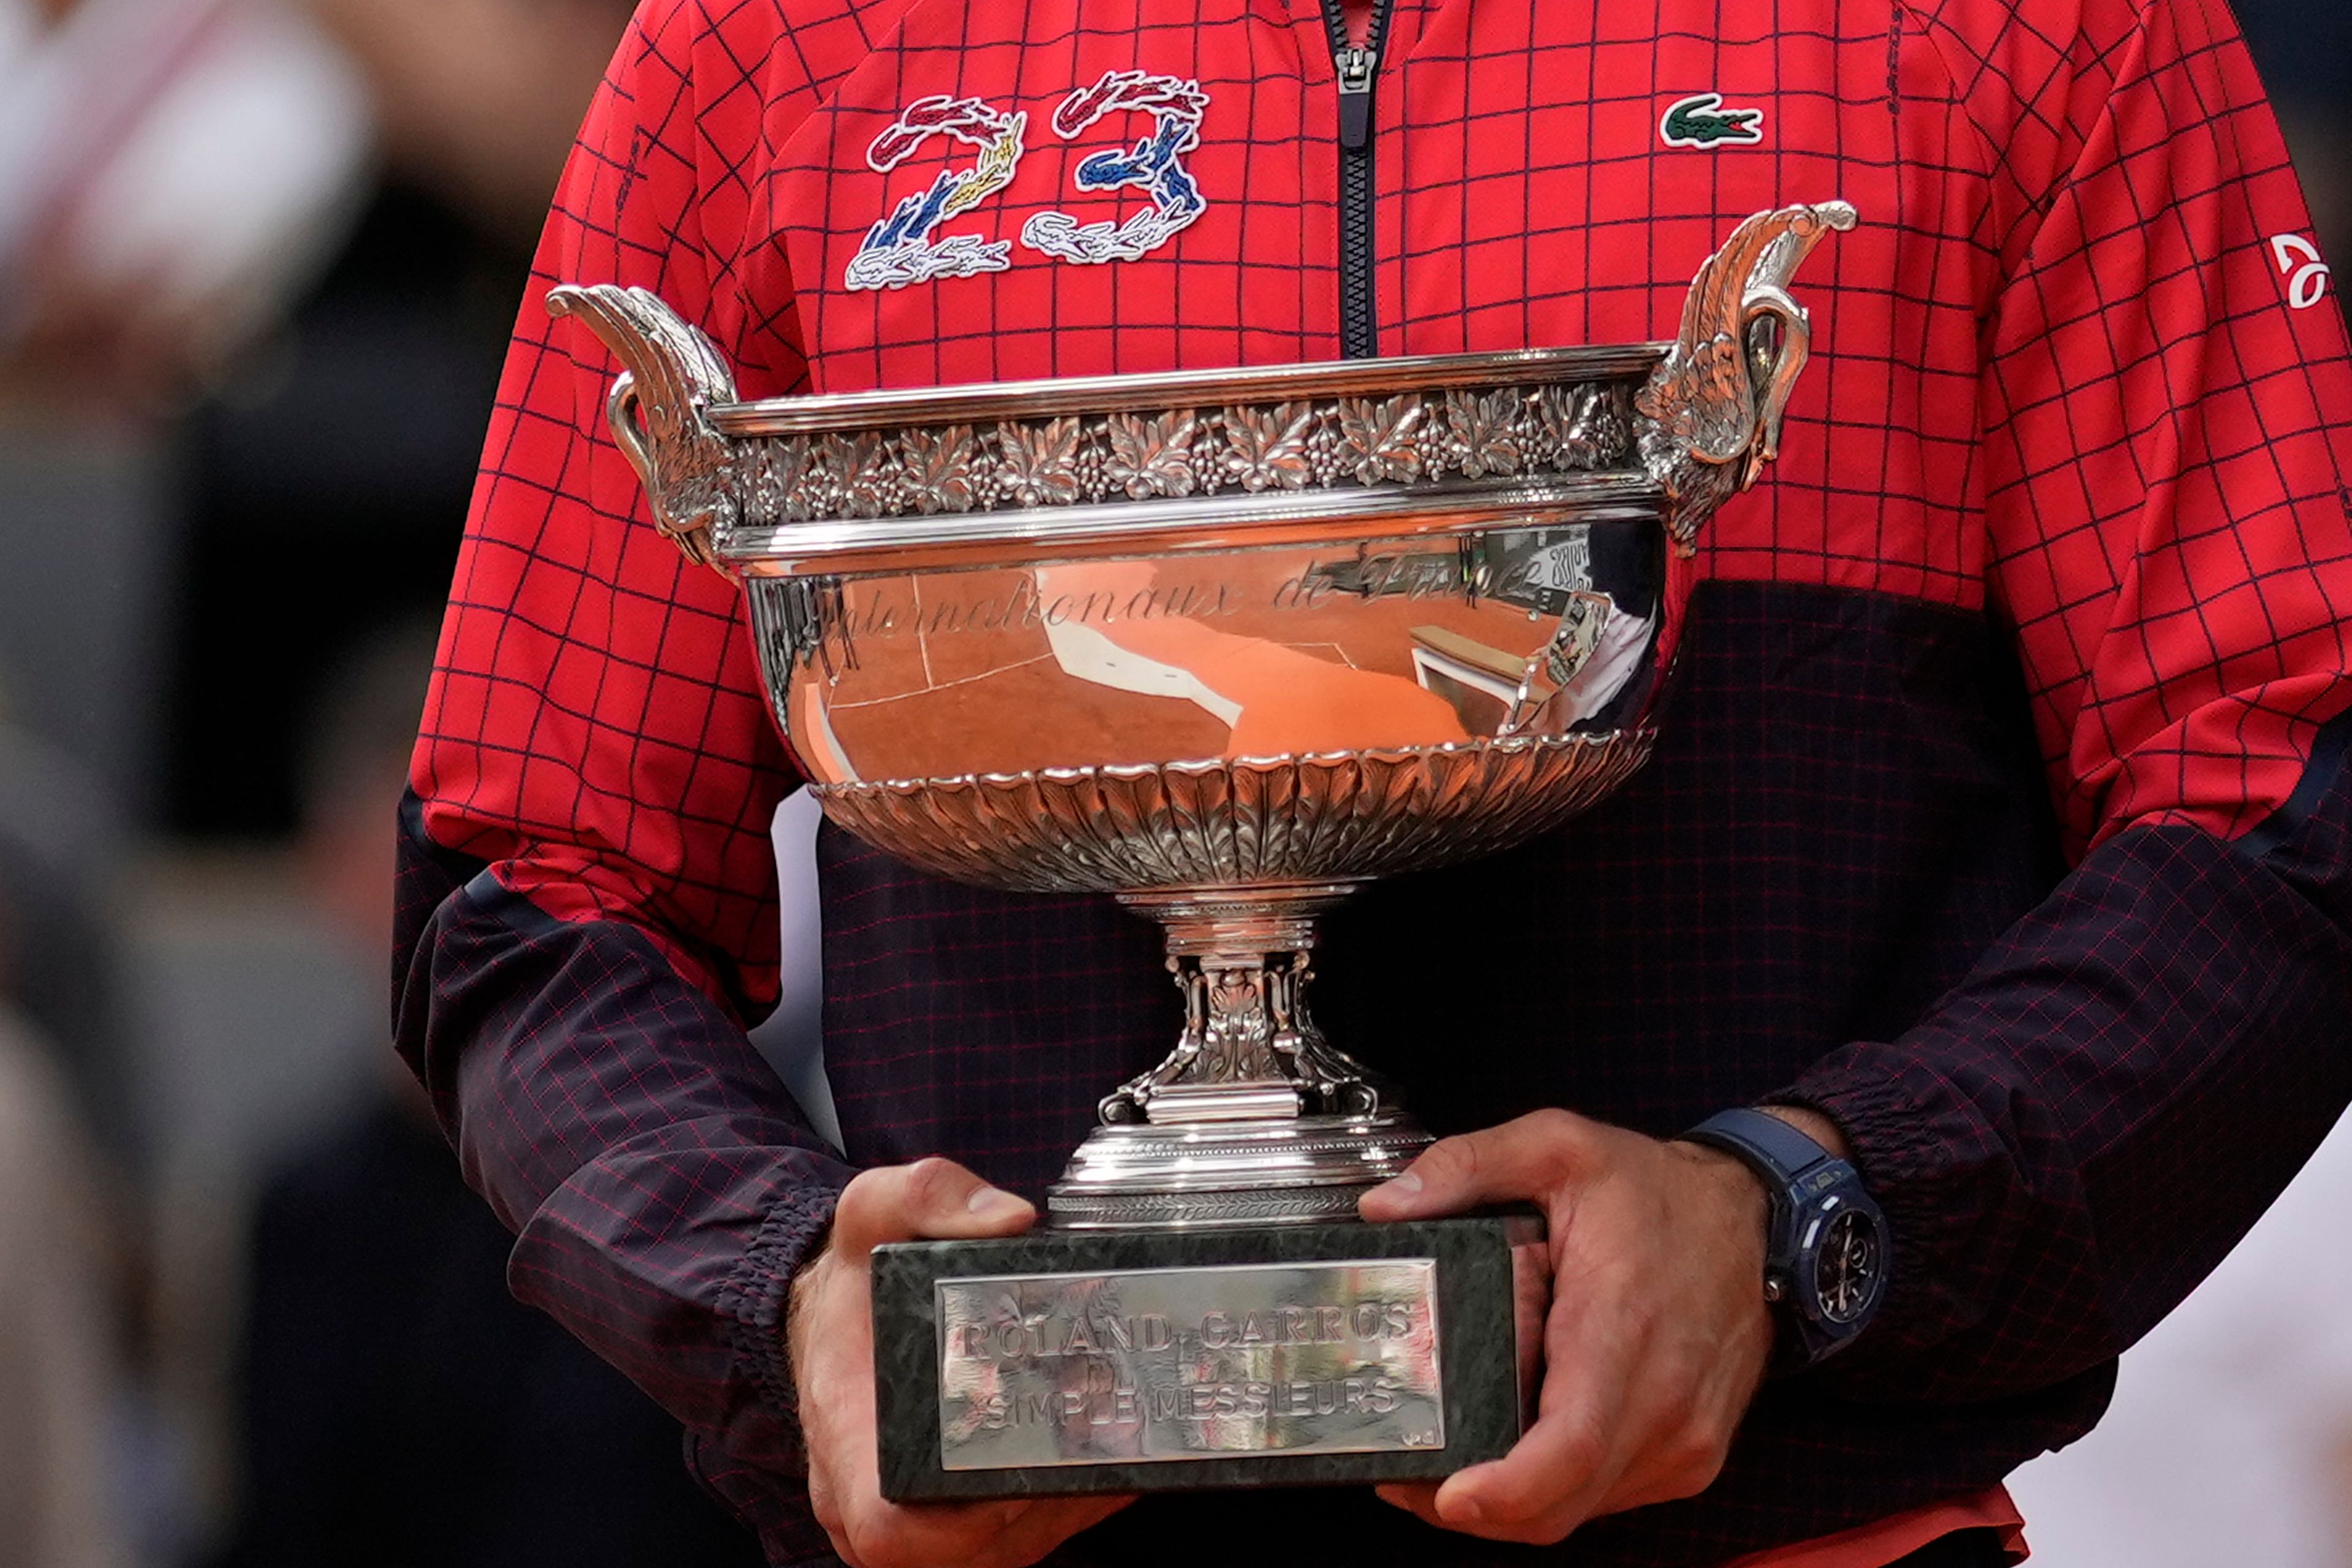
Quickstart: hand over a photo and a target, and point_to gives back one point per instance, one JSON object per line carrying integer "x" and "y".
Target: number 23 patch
{"x": 906, "y": 246}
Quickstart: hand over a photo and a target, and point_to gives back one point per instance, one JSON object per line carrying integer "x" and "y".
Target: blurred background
{"x": 257, "y": 263}
{"x": 259, "y": 260}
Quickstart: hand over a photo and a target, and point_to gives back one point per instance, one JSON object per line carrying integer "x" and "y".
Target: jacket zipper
{"x": 1358, "y": 64}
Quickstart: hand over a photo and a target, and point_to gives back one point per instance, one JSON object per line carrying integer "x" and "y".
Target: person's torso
{"x": 1845, "y": 805}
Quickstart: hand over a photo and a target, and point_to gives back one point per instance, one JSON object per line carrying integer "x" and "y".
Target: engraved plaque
{"x": 1076, "y": 1362}
{"x": 1173, "y": 1364}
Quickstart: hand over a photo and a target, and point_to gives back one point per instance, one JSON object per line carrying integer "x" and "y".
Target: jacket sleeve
{"x": 2080, "y": 1131}
{"x": 587, "y": 907}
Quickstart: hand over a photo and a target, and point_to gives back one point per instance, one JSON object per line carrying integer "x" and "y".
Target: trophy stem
{"x": 1254, "y": 1118}
{"x": 1250, "y": 1049}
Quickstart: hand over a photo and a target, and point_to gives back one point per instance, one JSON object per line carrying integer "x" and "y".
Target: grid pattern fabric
{"x": 2067, "y": 384}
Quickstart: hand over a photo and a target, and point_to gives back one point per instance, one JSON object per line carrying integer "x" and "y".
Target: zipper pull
{"x": 1357, "y": 67}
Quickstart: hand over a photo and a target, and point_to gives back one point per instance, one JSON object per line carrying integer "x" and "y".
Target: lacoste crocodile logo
{"x": 1701, "y": 120}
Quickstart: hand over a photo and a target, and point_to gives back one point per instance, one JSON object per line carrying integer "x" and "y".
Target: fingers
{"x": 1653, "y": 1338}
{"x": 1562, "y": 1466}
{"x": 1530, "y": 1310}
{"x": 1545, "y": 1487}
{"x": 1550, "y": 1482}
{"x": 1566, "y": 1470}
{"x": 930, "y": 1200}
{"x": 1522, "y": 1158}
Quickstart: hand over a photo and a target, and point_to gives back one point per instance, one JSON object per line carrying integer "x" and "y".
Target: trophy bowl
{"x": 1225, "y": 645}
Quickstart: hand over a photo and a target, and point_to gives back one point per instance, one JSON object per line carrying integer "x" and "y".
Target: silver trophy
{"x": 1225, "y": 645}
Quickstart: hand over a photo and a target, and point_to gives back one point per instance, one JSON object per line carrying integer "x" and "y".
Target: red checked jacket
{"x": 2001, "y": 813}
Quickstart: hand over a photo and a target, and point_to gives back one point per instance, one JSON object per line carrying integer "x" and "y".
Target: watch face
{"x": 1847, "y": 1271}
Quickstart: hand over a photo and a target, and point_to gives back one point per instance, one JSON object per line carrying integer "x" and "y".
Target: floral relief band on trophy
{"x": 1225, "y": 645}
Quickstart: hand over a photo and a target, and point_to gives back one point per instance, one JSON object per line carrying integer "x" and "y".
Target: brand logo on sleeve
{"x": 2298, "y": 262}
{"x": 1701, "y": 120}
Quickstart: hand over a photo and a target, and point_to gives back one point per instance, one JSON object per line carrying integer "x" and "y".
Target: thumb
{"x": 934, "y": 1199}
{"x": 1519, "y": 1160}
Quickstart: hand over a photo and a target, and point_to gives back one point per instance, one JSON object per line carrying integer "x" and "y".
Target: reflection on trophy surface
{"x": 1225, "y": 645}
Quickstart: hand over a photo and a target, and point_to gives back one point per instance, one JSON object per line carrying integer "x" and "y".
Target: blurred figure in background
{"x": 170, "y": 172}
{"x": 56, "y": 1377}
{"x": 477, "y": 101}
{"x": 59, "y": 1496}
{"x": 62, "y": 846}
{"x": 401, "y": 1409}
{"x": 262, "y": 254}
{"x": 350, "y": 445}
{"x": 73, "y": 1287}
{"x": 258, "y": 266}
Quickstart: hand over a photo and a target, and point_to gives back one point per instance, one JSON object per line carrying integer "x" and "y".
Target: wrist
{"x": 1735, "y": 1189}
{"x": 809, "y": 1282}
{"x": 1826, "y": 1252}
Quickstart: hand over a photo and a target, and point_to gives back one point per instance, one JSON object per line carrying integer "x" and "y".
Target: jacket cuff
{"x": 758, "y": 1293}
{"x": 1899, "y": 1146}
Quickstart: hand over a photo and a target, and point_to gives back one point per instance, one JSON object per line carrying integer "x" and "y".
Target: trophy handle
{"x": 659, "y": 410}
{"x": 1712, "y": 411}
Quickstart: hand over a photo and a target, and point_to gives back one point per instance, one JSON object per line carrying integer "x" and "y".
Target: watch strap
{"x": 1764, "y": 1141}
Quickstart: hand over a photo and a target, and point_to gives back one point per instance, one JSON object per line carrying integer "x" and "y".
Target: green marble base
{"x": 1070, "y": 1363}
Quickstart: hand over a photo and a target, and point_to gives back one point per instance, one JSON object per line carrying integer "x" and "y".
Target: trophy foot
{"x": 1303, "y": 1170}
{"x": 1254, "y": 1118}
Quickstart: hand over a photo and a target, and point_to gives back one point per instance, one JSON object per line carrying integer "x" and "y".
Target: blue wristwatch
{"x": 1826, "y": 1252}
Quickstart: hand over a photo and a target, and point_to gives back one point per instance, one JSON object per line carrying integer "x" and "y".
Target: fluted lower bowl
{"x": 1250, "y": 820}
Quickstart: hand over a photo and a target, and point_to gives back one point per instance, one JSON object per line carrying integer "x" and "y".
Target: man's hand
{"x": 1656, "y": 1335}
{"x": 830, "y": 1339}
